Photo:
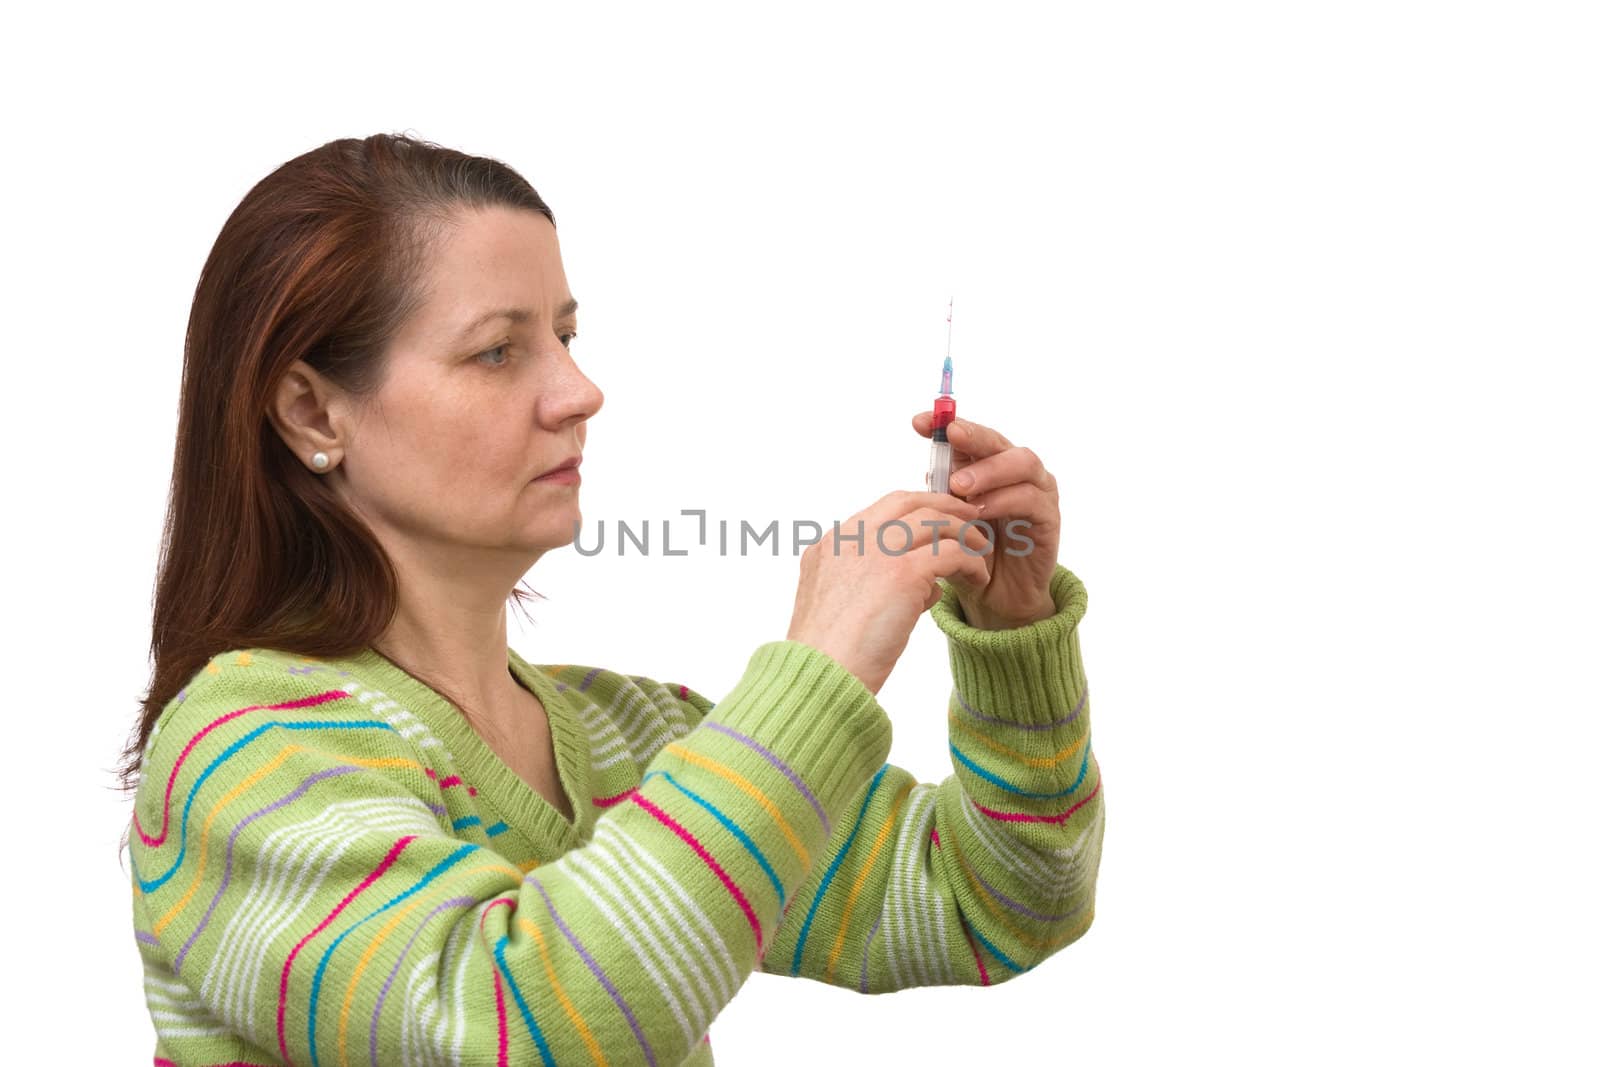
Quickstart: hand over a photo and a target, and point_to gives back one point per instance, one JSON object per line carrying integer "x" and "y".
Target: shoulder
{"x": 263, "y": 683}
{"x": 252, "y": 712}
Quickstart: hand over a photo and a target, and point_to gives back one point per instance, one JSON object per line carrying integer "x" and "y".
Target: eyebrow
{"x": 515, "y": 314}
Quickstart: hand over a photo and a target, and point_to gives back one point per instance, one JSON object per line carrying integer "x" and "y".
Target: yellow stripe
{"x": 1006, "y": 750}
{"x": 866, "y": 872}
{"x": 355, "y": 976}
{"x": 749, "y": 787}
{"x": 561, "y": 994}
{"x": 238, "y": 790}
{"x": 441, "y": 890}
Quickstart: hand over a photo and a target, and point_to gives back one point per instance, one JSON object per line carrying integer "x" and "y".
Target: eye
{"x": 568, "y": 338}
{"x": 497, "y": 348}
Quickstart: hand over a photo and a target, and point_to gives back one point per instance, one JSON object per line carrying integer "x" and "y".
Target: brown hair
{"x": 322, "y": 261}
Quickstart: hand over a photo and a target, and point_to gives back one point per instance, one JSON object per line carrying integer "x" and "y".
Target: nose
{"x": 570, "y": 394}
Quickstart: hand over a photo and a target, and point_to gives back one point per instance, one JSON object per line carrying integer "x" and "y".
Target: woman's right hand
{"x": 857, "y": 602}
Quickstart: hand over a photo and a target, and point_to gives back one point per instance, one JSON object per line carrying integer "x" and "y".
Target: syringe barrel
{"x": 939, "y": 467}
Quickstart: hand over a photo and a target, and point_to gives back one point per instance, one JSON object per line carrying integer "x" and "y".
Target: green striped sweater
{"x": 330, "y": 866}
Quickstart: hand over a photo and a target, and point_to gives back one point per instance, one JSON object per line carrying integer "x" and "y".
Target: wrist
{"x": 985, "y": 620}
{"x": 1032, "y": 674}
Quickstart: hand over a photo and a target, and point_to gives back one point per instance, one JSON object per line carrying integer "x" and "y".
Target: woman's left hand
{"x": 1011, "y": 483}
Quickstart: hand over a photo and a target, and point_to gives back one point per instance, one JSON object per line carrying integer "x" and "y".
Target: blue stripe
{"x": 463, "y": 823}
{"x": 522, "y": 1006}
{"x": 227, "y": 753}
{"x": 990, "y": 776}
{"x": 996, "y": 953}
{"x": 316, "y": 982}
{"x": 497, "y": 829}
{"x": 749, "y": 844}
{"x": 800, "y": 946}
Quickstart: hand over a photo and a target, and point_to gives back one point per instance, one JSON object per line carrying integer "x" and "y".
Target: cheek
{"x": 447, "y": 451}
{"x": 478, "y": 456}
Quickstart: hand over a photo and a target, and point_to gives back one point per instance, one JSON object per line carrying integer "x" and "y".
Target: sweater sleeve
{"x": 298, "y": 899}
{"x": 981, "y": 876}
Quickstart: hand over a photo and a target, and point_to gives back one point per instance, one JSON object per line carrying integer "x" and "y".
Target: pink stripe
{"x": 454, "y": 779}
{"x": 1017, "y": 816}
{"x": 172, "y": 779}
{"x": 689, "y": 839}
{"x": 606, "y": 802}
{"x": 499, "y": 990}
{"x": 983, "y": 972}
{"x": 500, "y": 1011}
{"x": 283, "y": 982}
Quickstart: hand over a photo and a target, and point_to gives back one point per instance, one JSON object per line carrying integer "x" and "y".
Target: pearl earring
{"x": 320, "y": 461}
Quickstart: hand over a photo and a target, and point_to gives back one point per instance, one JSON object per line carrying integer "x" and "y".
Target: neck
{"x": 450, "y": 624}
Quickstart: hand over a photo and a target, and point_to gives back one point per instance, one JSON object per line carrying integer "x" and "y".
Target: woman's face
{"x": 477, "y": 405}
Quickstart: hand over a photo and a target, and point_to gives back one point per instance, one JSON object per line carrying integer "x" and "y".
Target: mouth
{"x": 568, "y": 465}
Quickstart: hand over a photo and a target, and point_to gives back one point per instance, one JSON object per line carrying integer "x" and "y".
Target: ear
{"x": 308, "y": 410}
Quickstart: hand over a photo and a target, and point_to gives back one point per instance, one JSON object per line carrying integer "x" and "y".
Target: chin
{"x": 552, "y": 533}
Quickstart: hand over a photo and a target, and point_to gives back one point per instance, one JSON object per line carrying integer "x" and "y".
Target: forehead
{"x": 490, "y": 258}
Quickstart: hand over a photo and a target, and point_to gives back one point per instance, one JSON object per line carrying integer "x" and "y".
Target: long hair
{"x": 322, "y": 261}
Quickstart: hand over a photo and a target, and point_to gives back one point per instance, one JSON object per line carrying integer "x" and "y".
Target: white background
{"x": 1297, "y": 301}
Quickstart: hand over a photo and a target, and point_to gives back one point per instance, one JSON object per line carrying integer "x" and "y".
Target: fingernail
{"x": 961, "y": 481}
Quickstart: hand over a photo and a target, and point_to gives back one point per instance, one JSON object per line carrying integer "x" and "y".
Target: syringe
{"x": 944, "y": 413}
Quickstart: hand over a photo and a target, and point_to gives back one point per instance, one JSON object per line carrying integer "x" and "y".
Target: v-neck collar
{"x": 518, "y": 802}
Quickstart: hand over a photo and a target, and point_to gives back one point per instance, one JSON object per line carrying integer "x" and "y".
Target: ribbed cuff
{"x": 1032, "y": 674}
{"x": 814, "y": 715}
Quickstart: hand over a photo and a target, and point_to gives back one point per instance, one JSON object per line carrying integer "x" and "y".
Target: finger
{"x": 922, "y": 422}
{"x": 894, "y": 505}
{"x": 1014, "y": 466}
{"x": 1040, "y": 508}
{"x": 975, "y": 439}
{"x": 927, "y": 525}
{"x": 972, "y": 570}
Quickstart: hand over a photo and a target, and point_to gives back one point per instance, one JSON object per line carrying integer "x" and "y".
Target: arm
{"x": 294, "y": 887}
{"x": 979, "y": 877}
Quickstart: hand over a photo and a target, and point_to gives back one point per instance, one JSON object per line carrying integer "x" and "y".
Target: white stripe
{"x": 264, "y": 903}
{"x": 911, "y": 898}
{"x": 170, "y": 985}
{"x": 671, "y": 709}
{"x": 193, "y": 1004}
{"x": 618, "y": 758}
{"x": 461, "y": 985}
{"x": 165, "y": 1032}
{"x": 673, "y": 951}
{"x": 422, "y": 1003}
{"x": 579, "y": 868}
{"x": 1026, "y": 866}
{"x": 727, "y": 972}
{"x": 284, "y": 880}
{"x": 591, "y": 715}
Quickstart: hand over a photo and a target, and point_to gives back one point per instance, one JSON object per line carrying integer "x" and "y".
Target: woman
{"x": 366, "y": 830}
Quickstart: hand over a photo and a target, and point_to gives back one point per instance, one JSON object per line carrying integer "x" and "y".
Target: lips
{"x": 570, "y": 463}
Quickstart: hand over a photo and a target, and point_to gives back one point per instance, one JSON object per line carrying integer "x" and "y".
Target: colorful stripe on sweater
{"x": 331, "y": 867}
